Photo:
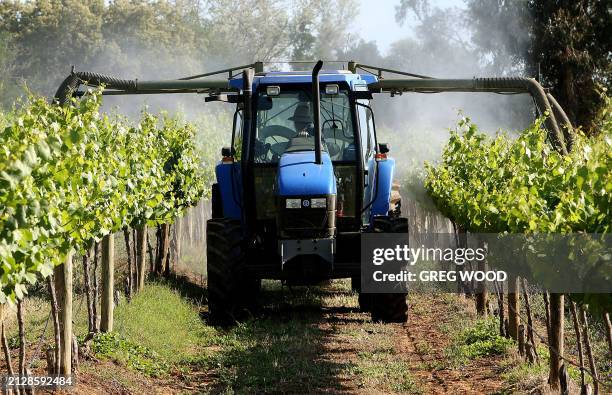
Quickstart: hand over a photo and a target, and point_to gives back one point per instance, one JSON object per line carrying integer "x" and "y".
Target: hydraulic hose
{"x": 76, "y": 78}
{"x": 493, "y": 85}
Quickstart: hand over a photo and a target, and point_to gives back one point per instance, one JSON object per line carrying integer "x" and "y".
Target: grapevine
{"x": 69, "y": 175}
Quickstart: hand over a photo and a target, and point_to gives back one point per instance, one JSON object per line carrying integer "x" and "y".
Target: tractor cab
{"x": 304, "y": 209}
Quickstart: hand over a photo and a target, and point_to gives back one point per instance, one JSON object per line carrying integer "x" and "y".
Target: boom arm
{"x": 117, "y": 86}
{"x": 494, "y": 85}
{"x": 562, "y": 138}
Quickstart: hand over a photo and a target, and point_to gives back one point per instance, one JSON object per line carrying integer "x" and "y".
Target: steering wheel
{"x": 276, "y": 130}
{"x": 278, "y": 148}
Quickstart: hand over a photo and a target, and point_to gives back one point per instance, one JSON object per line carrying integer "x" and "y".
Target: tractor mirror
{"x": 224, "y": 98}
{"x": 383, "y": 148}
{"x": 264, "y": 103}
{"x": 366, "y": 95}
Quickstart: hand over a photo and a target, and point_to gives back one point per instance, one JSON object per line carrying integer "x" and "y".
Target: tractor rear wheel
{"x": 230, "y": 292}
{"x": 389, "y": 307}
{"x": 365, "y": 300}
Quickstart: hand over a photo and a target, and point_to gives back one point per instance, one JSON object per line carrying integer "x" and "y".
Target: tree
{"x": 567, "y": 44}
{"x": 572, "y": 45}
{"x": 47, "y": 33}
{"x": 332, "y": 22}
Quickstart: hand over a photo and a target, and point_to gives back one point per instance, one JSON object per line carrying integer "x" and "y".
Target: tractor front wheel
{"x": 230, "y": 292}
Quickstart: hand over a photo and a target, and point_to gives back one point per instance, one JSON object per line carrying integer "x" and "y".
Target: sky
{"x": 376, "y": 21}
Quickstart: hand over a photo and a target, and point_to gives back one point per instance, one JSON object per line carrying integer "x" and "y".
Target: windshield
{"x": 285, "y": 124}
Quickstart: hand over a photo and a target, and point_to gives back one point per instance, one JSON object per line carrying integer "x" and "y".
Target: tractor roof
{"x": 304, "y": 77}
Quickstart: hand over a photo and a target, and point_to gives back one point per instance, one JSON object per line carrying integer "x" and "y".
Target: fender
{"x": 229, "y": 180}
{"x": 384, "y": 184}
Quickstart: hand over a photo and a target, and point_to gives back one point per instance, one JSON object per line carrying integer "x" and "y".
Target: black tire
{"x": 217, "y": 203}
{"x": 230, "y": 292}
{"x": 365, "y": 303}
{"x": 356, "y": 284}
{"x": 389, "y": 307}
{"x": 365, "y": 300}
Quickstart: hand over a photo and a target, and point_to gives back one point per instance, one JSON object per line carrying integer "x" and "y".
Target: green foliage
{"x": 492, "y": 185}
{"x": 522, "y": 185}
{"x": 479, "y": 340}
{"x": 70, "y": 175}
{"x": 140, "y": 358}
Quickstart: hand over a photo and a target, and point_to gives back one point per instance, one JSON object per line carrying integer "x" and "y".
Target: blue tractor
{"x": 305, "y": 175}
{"x": 304, "y": 178}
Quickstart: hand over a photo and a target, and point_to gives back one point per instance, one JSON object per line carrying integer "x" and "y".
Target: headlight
{"x": 293, "y": 203}
{"x": 318, "y": 203}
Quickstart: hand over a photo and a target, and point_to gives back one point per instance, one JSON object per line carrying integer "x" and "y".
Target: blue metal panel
{"x": 327, "y": 76}
{"x": 298, "y": 175}
{"x": 384, "y": 183}
{"x": 230, "y": 188}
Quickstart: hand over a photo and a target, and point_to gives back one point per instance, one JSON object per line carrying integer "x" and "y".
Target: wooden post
{"x": 108, "y": 282}
{"x": 167, "y": 252}
{"x": 606, "y": 317}
{"x": 74, "y": 345}
{"x": 131, "y": 262}
{"x": 530, "y": 336}
{"x": 530, "y": 352}
{"x": 164, "y": 245}
{"x": 63, "y": 287}
{"x": 499, "y": 289}
{"x": 521, "y": 339}
{"x": 513, "y": 306}
{"x": 141, "y": 258}
{"x": 555, "y": 339}
{"x": 56, "y": 327}
{"x": 578, "y": 341}
{"x": 481, "y": 288}
{"x": 135, "y": 255}
{"x": 4, "y": 341}
{"x": 96, "y": 287}
{"x": 589, "y": 350}
{"x": 178, "y": 228}
{"x": 564, "y": 380}
{"x": 461, "y": 240}
{"x": 22, "y": 339}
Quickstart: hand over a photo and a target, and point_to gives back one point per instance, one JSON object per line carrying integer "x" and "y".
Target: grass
{"x": 286, "y": 349}
{"x": 479, "y": 339}
{"x": 267, "y": 355}
{"x": 161, "y": 320}
{"x": 381, "y": 368}
{"x": 130, "y": 354}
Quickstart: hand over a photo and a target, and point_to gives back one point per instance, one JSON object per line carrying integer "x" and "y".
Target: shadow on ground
{"x": 282, "y": 350}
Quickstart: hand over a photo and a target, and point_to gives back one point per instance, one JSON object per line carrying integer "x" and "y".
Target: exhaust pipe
{"x": 316, "y": 109}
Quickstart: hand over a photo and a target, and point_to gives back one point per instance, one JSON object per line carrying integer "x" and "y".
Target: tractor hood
{"x": 298, "y": 175}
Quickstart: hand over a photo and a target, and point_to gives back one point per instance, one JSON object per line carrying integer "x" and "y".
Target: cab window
{"x": 285, "y": 123}
{"x": 366, "y": 130}
{"x": 237, "y": 134}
